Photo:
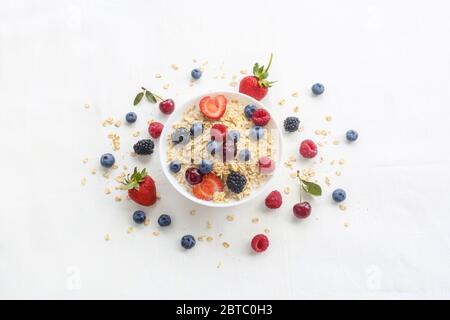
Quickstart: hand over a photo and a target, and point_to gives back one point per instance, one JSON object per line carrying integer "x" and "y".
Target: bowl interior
{"x": 176, "y": 116}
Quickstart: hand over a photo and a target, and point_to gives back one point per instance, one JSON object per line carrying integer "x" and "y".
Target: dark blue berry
{"x": 196, "y": 129}
{"x": 236, "y": 182}
{"x": 256, "y": 133}
{"x": 181, "y": 136}
{"x": 188, "y": 241}
{"x": 212, "y": 147}
{"x": 144, "y": 147}
{"x": 351, "y": 135}
{"x": 175, "y": 166}
{"x": 318, "y": 89}
{"x": 205, "y": 166}
{"x": 291, "y": 124}
{"x": 248, "y": 110}
{"x": 233, "y": 135}
{"x": 139, "y": 216}
{"x": 107, "y": 160}
{"x": 339, "y": 195}
{"x": 164, "y": 220}
{"x": 196, "y": 73}
{"x": 244, "y": 155}
{"x": 131, "y": 117}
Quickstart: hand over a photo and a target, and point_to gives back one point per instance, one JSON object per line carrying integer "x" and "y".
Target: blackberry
{"x": 236, "y": 182}
{"x": 291, "y": 124}
{"x": 144, "y": 147}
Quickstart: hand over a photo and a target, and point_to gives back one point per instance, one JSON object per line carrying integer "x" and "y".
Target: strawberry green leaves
{"x": 262, "y": 73}
{"x": 134, "y": 181}
{"x": 151, "y": 97}
{"x": 309, "y": 187}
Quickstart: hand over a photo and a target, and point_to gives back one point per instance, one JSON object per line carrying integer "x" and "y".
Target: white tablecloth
{"x": 386, "y": 69}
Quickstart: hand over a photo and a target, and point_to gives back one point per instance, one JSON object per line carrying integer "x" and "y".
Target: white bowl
{"x": 176, "y": 116}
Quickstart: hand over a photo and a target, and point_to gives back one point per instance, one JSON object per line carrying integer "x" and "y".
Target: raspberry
{"x": 260, "y": 243}
{"x": 308, "y": 149}
{"x": 274, "y": 200}
{"x": 154, "y": 129}
{"x": 261, "y": 117}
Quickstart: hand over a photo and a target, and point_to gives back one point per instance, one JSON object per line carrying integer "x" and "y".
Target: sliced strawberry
{"x": 218, "y": 185}
{"x": 204, "y": 190}
{"x": 213, "y": 108}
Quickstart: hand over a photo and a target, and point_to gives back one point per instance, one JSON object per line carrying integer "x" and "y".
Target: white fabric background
{"x": 386, "y": 68}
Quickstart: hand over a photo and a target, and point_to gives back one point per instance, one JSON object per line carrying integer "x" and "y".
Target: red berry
{"x": 193, "y": 176}
{"x": 167, "y": 106}
{"x": 260, "y": 243}
{"x": 266, "y": 165}
{"x": 249, "y": 86}
{"x": 204, "y": 190}
{"x": 308, "y": 149}
{"x": 154, "y": 129}
{"x": 213, "y": 108}
{"x": 261, "y": 117}
{"x": 274, "y": 200}
{"x": 218, "y": 132}
{"x": 302, "y": 210}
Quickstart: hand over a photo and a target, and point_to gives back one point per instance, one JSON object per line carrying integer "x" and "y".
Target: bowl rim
{"x": 163, "y": 150}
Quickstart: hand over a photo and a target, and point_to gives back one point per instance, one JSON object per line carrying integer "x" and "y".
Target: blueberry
{"x": 233, "y": 135}
{"x": 107, "y": 160}
{"x": 139, "y": 216}
{"x": 181, "y": 136}
{"x": 164, "y": 220}
{"x": 188, "y": 241}
{"x": 131, "y": 117}
{"x": 196, "y": 73}
{"x": 256, "y": 133}
{"x": 351, "y": 135}
{"x": 339, "y": 195}
{"x": 318, "y": 89}
{"x": 212, "y": 147}
{"x": 244, "y": 155}
{"x": 205, "y": 166}
{"x": 248, "y": 110}
{"x": 175, "y": 166}
{"x": 196, "y": 129}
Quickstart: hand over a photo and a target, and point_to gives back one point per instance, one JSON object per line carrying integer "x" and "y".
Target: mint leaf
{"x": 311, "y": 188}
{"x": 138, "y": 98}
{"x": 150, "y": 97}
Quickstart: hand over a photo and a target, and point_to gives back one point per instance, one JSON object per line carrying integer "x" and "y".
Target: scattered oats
{"x": 293, "y": 175}
{"x": 83, "y": 182}
{"x": 106, "y": 174}
{"x": 317, "y": 131}
{"x": 117, "y": 198}
{"x": 219, "y": 264}
{"x": 200, "y": 238}
{"x": 115, "y": 166}
{"x": 327, "y": 181}
{"x": 94, "y": 171}
{"x": 243, "y": 71}
{"x": 115, "y": 138}
{"x": 209, "y": 239}
{"x": 328, "y": 118}
{"x": 332, "y": 162}
{"x": 282, "y": 102}
{"x": 292, "y": 158}
{"x": 156, "y": 233}
{"x": 320, "y": 144}
{"x": 222, "y": 76}
{"x": 343, "y": 207}
{"x": 205, "y": 63}
{"x": 324, "y": 133}
{"x": 322, "y": 159}
{"x": 338, "y": 173}
{"x": 107, "y": 191}
{"x": 193, "y": 212}
{"x": 230, "y": 217}
{"x": 226, "y": 244}
{"x": 288, "y": 164}
{"x": 174, "y": 66}
{"x": 85, "y": 160}
{"x": 146, "y": 222}
{"x": 220, "y": 235}
{"x": 194, "y": 60}
{"x": 118, "y": 123}
{"x": 208, "y": 224}
{"x": 166, "y": 86}
{"x": 130, "y": 230}
{"x": 266, "y": 230}
{"x": 124, "y": 167}
{"x": 341, "y": 161}
{"x": 87, "y": 106}
{"x": 107, "y": 237}
{"x": 336, "y": 142}
{"x": 346, "y": 224}
{"x": 158, "y": 195}
{"x": 133, "y": 154}
{"x": 287, "y": 190}
{"x": 255, "y": 220}
{"x": 136, "y": 134}
{"x": 295, "y": 94}
{"x": 233, "y": 84}
{"x": 301, "y": 128}
{"x": 158, "y": 76}
{"x": 296, "y": 109}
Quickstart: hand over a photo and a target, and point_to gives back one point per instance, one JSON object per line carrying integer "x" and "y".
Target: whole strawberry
{"x": 257, "y": 86}
{"x": 141, "y": 188}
